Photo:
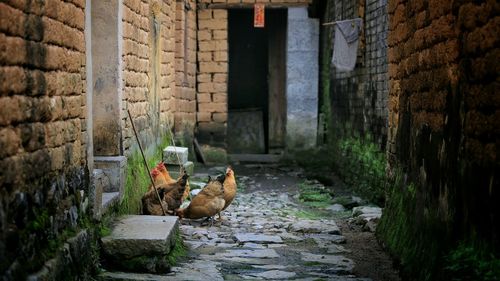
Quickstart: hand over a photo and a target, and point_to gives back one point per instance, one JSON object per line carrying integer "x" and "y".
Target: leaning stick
{"x": 145, "y": 162}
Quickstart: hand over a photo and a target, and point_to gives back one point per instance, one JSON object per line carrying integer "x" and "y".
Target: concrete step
{"x": 140, "y": 243}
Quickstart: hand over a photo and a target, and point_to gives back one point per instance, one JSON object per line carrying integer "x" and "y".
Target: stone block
{"x": 135, "y": 236}
{"x": 114, "y": 167}
{"x": 175, "y": 154}
{"x": 174, "y": 169}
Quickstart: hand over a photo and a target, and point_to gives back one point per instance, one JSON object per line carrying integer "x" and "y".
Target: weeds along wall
{"x": 444, "y": 115}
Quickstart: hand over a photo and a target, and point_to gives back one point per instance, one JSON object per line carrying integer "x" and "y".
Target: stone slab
{"x": 173, "y": 154}
{"x": 257, "y": 238}
{"x": 134, "y": 236}
{"x": 255, "y": 253}
{"x": 174, "y": 169}
{"x": 127, "y": 276}
{"x": 274, "y": 274}
{"x": 314, "y": 226}
{"x": 339, "y": 263}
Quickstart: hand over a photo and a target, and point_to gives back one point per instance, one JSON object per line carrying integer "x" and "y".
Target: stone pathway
{"x": 263, "y": 238}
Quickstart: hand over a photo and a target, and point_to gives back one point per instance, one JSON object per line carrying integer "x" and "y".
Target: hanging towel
{"x": 345, "y": 44}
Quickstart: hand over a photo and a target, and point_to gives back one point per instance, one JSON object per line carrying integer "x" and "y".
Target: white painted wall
{"x": 302, "y": 79}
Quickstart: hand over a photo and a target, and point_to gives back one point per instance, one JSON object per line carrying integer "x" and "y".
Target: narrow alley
{"x": 270, "y": 233}
{"x": 364, "y": 135}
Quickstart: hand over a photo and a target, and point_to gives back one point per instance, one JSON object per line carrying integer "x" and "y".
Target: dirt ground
{"x": 370, "y": 258}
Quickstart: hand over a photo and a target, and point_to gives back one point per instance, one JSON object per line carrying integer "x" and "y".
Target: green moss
{"x": 313, "y": 196}
{"x": 357, "y": 161}
{"x": 215, "y": 155}
{"x": 313, "y": 263}
{"x": 304, "y": 214}
{"x": 415, "y": 239}
{"x": 178, "y": 252}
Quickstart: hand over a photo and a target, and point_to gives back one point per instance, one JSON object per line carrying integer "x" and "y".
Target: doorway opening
{"x": 256, "y": 84}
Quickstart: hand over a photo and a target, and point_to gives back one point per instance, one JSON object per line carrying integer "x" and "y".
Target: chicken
{"x": 207, "y": 203}
{"x": 186, "y": 192}
{"x": 230, "y": 188}
{"x": 151, "y": 205}
{"x": 173, "y": 198}
{"x": 164, "y": 172}
{"x": 157, "y": 178}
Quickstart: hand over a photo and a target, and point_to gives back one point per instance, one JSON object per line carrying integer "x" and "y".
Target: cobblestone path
{"x": 263, "y": 237}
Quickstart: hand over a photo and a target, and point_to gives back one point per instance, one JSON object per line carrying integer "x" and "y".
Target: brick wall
{"x": 213, "y": 65}
{"x": 444, "y": 114}
{"x": 212, "y": 75}
{"x": 359, "y": 97}
{"x": 185, "y": 67}
{"x": 148, "y": 69}
{"x": 42, "y": 129}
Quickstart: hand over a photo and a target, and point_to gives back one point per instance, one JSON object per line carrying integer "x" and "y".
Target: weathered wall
{"x": 444, "y": 124}
{"x": 148, "y": 69}
{"x": 301, "y": 79}
{"x": 185, "y": 67}
{"x": 42, "y": 132}
{"x": 358, "y": 98}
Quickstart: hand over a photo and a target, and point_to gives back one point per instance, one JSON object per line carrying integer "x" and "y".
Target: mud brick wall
{"x": 212, "y": 76}
{"x": 185, "y": 67}
{"x": 444, "y": 114}
{"x": 359, "y": 97}
{"x": 148, "y": 69}
{"x": 213, "y": 66}
{"x": 42, "y": 129}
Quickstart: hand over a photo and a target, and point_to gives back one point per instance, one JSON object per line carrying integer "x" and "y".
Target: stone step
{"x": 141, "y": 243}
{"x": 127, "y": 276}
{"x": 173, "y": 154}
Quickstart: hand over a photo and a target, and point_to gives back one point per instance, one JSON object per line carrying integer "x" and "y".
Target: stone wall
{"x": 42, "y": 131}
{"x": 358, "y": 98}
{"x": 185, "y": 67}
{"x": 148, "y": 69}
{"x": 444, "y": 120}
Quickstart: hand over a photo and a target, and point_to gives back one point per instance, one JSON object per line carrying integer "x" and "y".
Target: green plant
{"x": 469, "y": 261}
{"x": 138, "y": 179}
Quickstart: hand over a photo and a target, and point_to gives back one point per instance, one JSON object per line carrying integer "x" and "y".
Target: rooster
{"x": 207, "y": 203}
{"x": 229, "y": 185}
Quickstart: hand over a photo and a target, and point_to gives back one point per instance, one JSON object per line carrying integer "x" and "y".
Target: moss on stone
{"x": 178, "y": 251}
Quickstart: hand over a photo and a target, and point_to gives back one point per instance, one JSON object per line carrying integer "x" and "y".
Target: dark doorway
{"x": 256, "y": 86}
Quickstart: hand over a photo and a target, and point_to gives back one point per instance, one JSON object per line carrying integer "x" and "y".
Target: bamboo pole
{"x": 145, "y": 162}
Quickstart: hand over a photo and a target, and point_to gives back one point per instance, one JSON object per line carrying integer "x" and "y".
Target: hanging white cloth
{"x": 345, "y": 44}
